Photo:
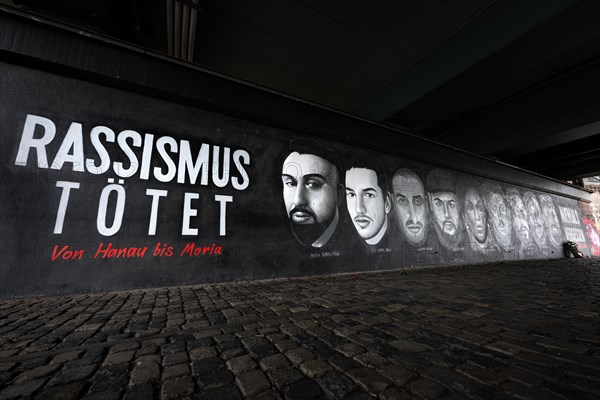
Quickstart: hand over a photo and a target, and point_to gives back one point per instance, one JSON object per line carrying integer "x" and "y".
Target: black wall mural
{"x": 104, "y": 189}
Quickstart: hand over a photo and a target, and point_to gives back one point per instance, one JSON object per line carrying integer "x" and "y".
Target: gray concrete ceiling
{"x": 515, "y": 81}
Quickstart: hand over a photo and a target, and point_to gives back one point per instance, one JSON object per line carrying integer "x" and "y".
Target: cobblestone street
{"x": 528, "y": 330}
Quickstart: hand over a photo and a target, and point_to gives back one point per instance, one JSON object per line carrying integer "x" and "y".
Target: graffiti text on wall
{"x": 103, "y": 188}
{"x": 207, "y": 163}
{"x": 571, "y": 224}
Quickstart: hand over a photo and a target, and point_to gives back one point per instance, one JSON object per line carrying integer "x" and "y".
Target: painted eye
{"x": 314, "y": 184}
{"x": 350, "y": 195}
{"x": 437, "y": 203}
{"x": 401, "y": 199}
{"x": 452, "y": 204}
{"x": 369, "y": 195}
{"x": 417, "y": 201}
{"x": 290, "y": 182}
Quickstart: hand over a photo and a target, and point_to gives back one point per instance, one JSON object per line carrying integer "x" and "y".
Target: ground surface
{"x": 518, "y": 330}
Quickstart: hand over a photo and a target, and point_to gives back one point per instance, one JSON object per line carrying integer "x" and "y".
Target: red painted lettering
{"x": 66, "y": 254}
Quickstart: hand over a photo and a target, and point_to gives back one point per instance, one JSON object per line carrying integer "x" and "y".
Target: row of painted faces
{"x": 453, "y": 205}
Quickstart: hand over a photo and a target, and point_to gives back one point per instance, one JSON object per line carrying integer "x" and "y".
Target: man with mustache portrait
{"x": 444, "y": 207}
{"x": 446, "y": 211}
{"x": 312, "y": 191}
{"x": 412, "y": 216}
{"x": 368, "y": 199}
{"x": 410, "y": 206}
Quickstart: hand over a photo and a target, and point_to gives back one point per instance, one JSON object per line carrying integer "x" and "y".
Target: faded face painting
{"x": 520, "y": 218}
{"x": 476, "y": 217}
{"x": 368, "y": 205}
{"x": 500, "y": 218}
{"x": 553, "y": 226}
{"x": 536, "y": 218}
{"x": 309, "y": 188}
{"x": 410, "y": 206}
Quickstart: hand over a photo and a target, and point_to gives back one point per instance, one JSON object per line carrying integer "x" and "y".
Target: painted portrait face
{"x": 500, "y": 218}
{"x": 551, "y": 219}
{"x": 368, "y": 205}
{"x": 310, "y": 194}
{"x": 475, "y": 214}
{"x": 445, "y": 212}
{"x": 520, "y": 217}
{"x": 536, "y": 218}
{"x": 410, "y": 206}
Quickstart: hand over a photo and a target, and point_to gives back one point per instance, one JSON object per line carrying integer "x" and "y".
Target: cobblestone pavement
{"x": 528, "y": 330}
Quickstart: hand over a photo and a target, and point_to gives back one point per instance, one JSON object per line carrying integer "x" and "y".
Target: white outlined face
{"x": 310, "y": 188}
{"x": 368, "y": 205}
{"x": 520, "y": 218}
{"x": 410, "y": 206}
{"x": 553, "y": 226}
{"x": 500, "y": 218}
{"x": 475, "y": 215}
{"x": 536, "y": 218}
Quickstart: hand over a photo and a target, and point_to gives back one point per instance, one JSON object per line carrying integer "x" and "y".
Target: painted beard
{"x": 411, "y": 231}
{"x": 307, "y": 234}
{"x": 449, "y": 241}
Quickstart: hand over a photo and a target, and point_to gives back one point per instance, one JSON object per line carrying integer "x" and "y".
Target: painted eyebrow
{"x": 313, "y": 176}
{"x": 288, "y": 176}
{"x": 370, "y": 190}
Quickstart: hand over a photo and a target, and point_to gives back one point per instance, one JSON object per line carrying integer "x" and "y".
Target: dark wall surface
{"x": 106, "y": 189}
{"x": 66, "y": 51}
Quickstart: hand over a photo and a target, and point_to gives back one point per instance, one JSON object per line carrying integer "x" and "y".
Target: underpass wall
{"x": 106, "y": 186}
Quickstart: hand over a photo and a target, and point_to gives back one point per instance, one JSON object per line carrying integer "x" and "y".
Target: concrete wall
{"x": 108, "y": 185}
